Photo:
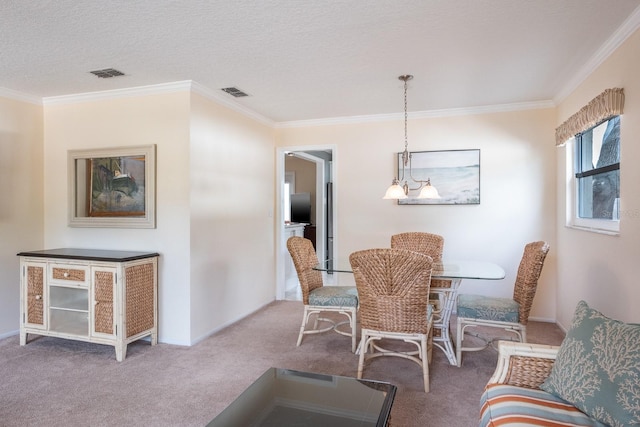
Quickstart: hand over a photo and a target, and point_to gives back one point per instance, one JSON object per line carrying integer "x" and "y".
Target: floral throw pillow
{"x": 598, "y": 368}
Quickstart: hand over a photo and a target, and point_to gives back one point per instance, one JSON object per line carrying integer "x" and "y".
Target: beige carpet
{"x": 56, "y": 382}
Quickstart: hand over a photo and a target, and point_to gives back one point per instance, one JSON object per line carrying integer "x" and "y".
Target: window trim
{"x": 595, "y": 225}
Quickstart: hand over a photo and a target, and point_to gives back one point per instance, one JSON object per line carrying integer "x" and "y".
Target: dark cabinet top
{"x": 90, "y": 254}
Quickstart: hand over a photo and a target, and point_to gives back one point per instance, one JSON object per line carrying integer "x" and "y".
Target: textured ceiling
{"x": 314, "y": 59}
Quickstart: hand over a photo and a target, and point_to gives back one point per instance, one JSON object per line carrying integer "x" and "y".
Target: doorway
{"x": 311, "y": 177}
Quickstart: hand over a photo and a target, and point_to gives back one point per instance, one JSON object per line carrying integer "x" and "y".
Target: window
{"x": 597, "y": 176}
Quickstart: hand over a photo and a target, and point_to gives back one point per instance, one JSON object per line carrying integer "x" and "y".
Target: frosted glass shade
{"x": 428, "y": 192}
{"x": 395, "y": 191}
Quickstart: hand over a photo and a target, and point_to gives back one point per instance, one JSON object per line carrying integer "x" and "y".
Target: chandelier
{"x": 397, "y": 191}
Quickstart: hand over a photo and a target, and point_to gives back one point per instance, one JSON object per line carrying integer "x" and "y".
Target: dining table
{"x": 454, "y": 270}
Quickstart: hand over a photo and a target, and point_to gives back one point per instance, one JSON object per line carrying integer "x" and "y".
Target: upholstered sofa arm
{"x": 523, "y": 364}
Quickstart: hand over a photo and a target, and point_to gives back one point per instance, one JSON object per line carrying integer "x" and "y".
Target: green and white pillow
{"x": 598, "y": 368}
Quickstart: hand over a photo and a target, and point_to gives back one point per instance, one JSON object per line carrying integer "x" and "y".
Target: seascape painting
{"x": 454, "y": 173}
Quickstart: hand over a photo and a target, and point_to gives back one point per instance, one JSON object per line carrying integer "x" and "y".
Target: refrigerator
{"x": 329, "y": 226}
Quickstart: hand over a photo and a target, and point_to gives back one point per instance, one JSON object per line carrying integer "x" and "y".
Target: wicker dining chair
{"x": 510, "y": 314}
{"x": 432, "y": 245}
{"x": 393, "y": 290}
{"x": 425, "y": 243}
{"x": 318, "y": 298}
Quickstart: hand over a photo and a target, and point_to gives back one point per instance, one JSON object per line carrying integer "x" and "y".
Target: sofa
{"x": 591, "y": 379}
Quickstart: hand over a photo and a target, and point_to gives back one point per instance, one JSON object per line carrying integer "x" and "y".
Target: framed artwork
{"x": 117, "y": 186}
{"x": 454, "y": 173}
{"x": 112, "y": 187}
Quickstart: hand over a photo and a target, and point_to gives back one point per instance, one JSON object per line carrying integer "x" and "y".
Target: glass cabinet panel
{"x": 69, "y": 310}
{"x": 69, "y": 298}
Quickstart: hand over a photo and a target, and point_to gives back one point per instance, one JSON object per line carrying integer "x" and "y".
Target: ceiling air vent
{"x": 107, "y": 72}
{"x": 234, "y": 91}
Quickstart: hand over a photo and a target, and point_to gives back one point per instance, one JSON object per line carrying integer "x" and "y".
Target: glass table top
{"x": 441, "y": 270}
{"x": 284, "y": 397}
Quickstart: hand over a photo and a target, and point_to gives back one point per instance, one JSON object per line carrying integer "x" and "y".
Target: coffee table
{"x": 284, "y": 397}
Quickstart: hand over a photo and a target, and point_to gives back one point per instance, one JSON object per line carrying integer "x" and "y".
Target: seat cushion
{"x": 335, "y": 296}
{"x": 488, "y": 308}
{"x": 598, "y": 368}
{"x": 507, "y": 405}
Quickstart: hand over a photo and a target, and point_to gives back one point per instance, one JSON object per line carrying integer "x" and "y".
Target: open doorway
{"x": 305, "y": 192}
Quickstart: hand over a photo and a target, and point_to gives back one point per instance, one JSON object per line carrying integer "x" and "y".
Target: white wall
{"x": 161, "y": 119}
{"x": 21, "y": 207}
{"x": 231, "y": 216}
{"x": 214, "y": 200}
{"x": 598, "y": 268}
{"x": 518, "y": 183}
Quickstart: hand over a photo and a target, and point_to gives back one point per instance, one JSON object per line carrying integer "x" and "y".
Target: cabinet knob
{"x": 38, "y": 297}
{"x": 66, "y": 274}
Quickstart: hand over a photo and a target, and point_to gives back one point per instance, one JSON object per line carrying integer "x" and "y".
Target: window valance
{"x": 604, "y": 106}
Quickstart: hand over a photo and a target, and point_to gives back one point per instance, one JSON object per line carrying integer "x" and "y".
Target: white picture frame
{"x": 112, "y": 187}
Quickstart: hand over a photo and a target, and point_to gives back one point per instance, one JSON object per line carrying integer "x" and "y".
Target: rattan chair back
{"x": 393, "y": 289}
{"x": 425, "y": 243}
{"x": 304, "y": 259}
{"x": 527, "y": 278}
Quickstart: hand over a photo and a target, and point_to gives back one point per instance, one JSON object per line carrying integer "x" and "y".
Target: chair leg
{"x": 519, "y": 330}
{"x": 425, "y": 365}
{"x": 430, "y": 345}
{"x": 305, "y": 319}
{"x": 459, "y": 339}
{"x": 363, "y": 350}
{"x": 353, "y": 330}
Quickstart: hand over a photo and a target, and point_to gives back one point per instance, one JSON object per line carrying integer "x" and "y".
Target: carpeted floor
{"x": 56, "y": 382}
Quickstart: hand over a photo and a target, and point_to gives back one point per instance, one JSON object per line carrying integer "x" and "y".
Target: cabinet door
{"x": 140, "y": 287}
{"x": 33, "y": 288}
{"x": 103, "y": 288}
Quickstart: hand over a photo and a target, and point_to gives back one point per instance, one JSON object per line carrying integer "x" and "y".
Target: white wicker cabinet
{"x": 99, "y": 296}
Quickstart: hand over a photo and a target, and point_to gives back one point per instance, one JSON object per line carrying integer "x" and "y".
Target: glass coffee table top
{"x": 283, "y": 397}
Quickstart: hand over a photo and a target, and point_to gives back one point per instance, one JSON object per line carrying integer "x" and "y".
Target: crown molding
{"x": 467, "y": 111}
{"x": 219, "y": 98}
{"x": 485, "y": 109}
{"x": 223, "y": 99}
{"x": 19, "y": 96}
{"x": 628, "y": 27}
{"x": 180, "y": 86}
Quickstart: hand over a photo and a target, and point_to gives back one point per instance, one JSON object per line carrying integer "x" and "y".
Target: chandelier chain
{"x": 405, "y": 115}
{"x": 398, "y": 191}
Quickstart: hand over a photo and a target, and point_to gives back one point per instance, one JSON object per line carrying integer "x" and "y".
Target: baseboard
{"x": 542, "y": 319}
{"x": 227, "y": 324}
{"x": 9, "y": 334}
{"x": 545, "y": 320}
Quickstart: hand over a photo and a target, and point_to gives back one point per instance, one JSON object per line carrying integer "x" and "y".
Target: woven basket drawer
{"x": 73, "y": 275}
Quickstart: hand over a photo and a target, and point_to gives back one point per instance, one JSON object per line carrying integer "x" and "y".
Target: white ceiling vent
{"x": 234, "y": 91}
{"x": 107, "y": 72}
